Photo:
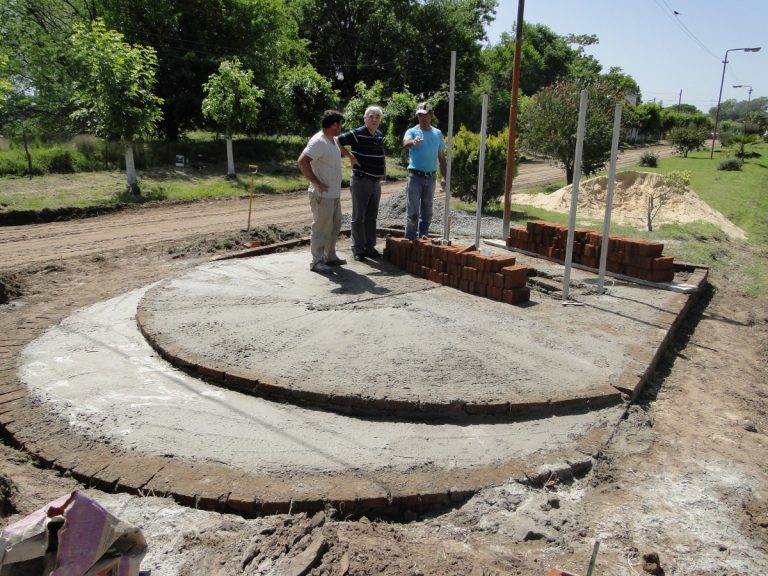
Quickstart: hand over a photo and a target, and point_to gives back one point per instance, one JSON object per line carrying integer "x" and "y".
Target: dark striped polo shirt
{"x": 368, "y": 149}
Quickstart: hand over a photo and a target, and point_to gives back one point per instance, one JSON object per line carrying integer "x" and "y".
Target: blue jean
{"x": 419, "y": 194}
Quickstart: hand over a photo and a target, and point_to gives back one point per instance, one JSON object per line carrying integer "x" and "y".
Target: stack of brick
{"x": 628, "y": 256}
{"x": 463, "y": 268}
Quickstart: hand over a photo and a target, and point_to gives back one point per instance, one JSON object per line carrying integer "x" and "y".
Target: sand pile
{"x": 630, "y": 201}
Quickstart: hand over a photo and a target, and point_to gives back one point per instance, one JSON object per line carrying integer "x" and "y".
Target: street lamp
{"x": 749, "y": 98}
{"x": 722, "y": 79}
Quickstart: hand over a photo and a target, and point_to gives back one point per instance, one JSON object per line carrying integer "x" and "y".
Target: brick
{"x": 663, "y": 263}
{"x": 494, "y": 293}
{"x": 662, "y": 275}
{"x": 469, "y": 273}
{"x": 516, "y": 295}
{"x": 498, "y": 280}
{"x": 480, "y": 289}
{"x": 515, "y": 276}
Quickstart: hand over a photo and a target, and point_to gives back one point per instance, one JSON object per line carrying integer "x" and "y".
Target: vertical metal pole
{"x": 510, "y": 174}
{"x": 575, "y": 192}
{"x": 449, "y": 152}
{"x": 481, "y": 171}
{"x": 609, "y": 196}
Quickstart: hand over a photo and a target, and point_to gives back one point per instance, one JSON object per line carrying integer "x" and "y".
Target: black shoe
{"x": 359, "y": 257}
{"x": 372, "y": 253}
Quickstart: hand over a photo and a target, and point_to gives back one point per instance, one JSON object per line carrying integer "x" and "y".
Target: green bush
{"x": 730, "y": 164}
{"x": 466, "y": 162}
{"x": 649, "y": 159}
{"x": 687, "y": 138}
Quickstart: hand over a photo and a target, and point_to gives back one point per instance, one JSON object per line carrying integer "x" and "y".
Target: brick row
{"x": 629, "y": 256}
{"x": 462, "y": 267}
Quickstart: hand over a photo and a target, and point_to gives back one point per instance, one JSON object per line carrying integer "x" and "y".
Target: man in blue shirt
{"x": 426, "y": 148}
{"x": 368, "y": 168}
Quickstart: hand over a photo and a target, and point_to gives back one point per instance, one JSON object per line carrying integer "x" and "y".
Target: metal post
{"x": 609, "y": 196}
{"x": 575, "y": 192}
{"x": 481, "y": 171}
{"x": 449, "y": 153}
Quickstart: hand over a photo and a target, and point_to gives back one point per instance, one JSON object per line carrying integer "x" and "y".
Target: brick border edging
{"x": 226, "y": 489}
{"x": 354, "y": 405}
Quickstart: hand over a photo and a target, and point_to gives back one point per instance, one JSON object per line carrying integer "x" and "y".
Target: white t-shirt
{"x": 325, "y": 160}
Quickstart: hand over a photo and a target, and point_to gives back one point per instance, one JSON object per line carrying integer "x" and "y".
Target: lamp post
{"x": 722, "y": 79}
{"x": 749, "y": 98}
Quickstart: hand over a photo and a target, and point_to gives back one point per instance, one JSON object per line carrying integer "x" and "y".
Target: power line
{"x": 668, "y": 12}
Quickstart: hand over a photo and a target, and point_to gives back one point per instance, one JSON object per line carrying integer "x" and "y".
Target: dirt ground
{"x": 684, "y": 476}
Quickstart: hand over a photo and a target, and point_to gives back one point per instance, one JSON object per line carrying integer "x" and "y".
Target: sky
{"x": 663, "y": 51}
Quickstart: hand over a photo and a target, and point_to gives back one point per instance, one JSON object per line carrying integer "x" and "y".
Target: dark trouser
{"x": 366, "y": 194}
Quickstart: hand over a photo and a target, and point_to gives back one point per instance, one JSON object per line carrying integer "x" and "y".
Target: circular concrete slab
{"x": 98, "y": 403}
{"x": 372, "y": 339}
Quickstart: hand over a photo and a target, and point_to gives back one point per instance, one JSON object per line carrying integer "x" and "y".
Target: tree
{"x": 304, "y": 95}
{"x": 192, "y": 37}
{"x": 549, "y": 124}
{"x": 465, "y": 165}
{"x": 113, "y": 97}
{"x": 18, "y": 118}
{"x": 687, "y": 138}
{"x": 675, "y": 184}
{"x": 232, "y": 102}
{"x": 36, "y": 50}
{"x": 402, "y": 42}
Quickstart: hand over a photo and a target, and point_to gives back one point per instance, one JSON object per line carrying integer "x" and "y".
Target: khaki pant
{"x": 326, "y": 223}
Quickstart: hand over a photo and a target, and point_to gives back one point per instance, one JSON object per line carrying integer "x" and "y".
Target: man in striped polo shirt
{"x": 368, "y": 168}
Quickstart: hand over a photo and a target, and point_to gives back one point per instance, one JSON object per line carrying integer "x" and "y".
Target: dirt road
{"x": 151, "y": 224}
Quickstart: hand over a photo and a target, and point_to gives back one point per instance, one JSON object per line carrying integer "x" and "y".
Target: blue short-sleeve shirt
{"x": 424, "y": 156}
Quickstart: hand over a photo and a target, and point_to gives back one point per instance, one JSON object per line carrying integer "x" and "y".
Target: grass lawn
{"x": 742, "y": 196}
{"x": 86, "y": 189}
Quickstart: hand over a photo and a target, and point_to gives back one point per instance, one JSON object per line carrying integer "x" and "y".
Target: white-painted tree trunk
{"x": 130, "y": 169}
{"x": 230, "y": 159}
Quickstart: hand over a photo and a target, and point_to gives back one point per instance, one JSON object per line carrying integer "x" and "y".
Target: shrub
{"x": 466, "y": 162}
{"x": 649, "y": 159}
{"x": 687, "y": 138}
{"x": 730, "y": 164}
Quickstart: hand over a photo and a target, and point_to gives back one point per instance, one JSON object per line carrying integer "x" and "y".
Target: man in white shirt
{"x": 320, "y": 163}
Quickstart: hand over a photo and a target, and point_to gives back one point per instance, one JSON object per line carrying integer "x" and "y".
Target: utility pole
{"x": 510, "y": 174}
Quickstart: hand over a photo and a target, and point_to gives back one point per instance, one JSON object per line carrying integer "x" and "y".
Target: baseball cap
{"x": 424, "y": 108}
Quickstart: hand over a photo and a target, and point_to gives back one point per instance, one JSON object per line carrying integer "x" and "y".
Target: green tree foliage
{"x": 34, "y": 42}
{"x": 545, "y": 58}
{"x": 643, "y": 121}
{"x": 549, "y": 124}
{"x": 687, "y": 138}
{"x": 232, "y": 102}
{"x": 304, "y": 95}
{"x": 402, "y": 43}
{"x": 465, "y": 165}
{"x": 192, "y": 37}
{"x": 670, "y": 119}
{"x": 113, "y": 95}
{"x": 732, "y": 109}
{"x": 400, "y": 114}
{"x": 365, "y": 96}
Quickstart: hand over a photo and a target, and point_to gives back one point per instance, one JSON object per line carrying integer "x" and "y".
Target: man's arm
{"x": 443, "y": 167}
{"x": 309, "y": 174}
{"x": 345, "y": 152}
